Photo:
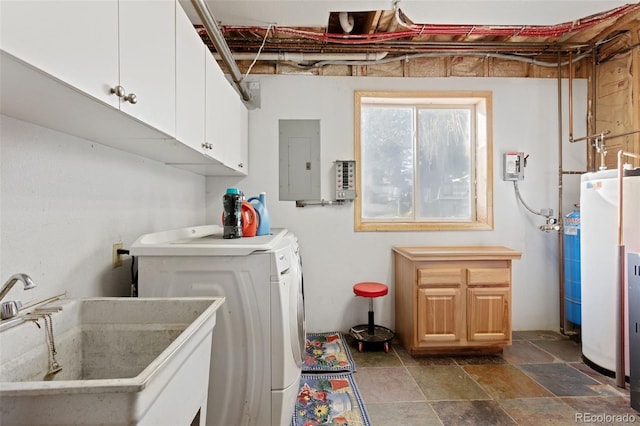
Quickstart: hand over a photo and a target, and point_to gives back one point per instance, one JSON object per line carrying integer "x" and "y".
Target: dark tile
{"x": 605, "y": 380}
{"x": 408, "y": 359}
{"x": 474, "y": 413}
{"x": 539, "y": 411}
{"x": 375, "y": 358}
{"x": 603, "y": 410}
{"x": 479, "y": 359}
{"x": 565, "y": 349}
{"x": 506, "y": 382}
{"x": 561, "y": 379}
{"x": 403, "y": 414}
{"x": 386, "y": 384}
{"x": 446, "y": 383}
{"x": 523, "y": 352}
{"x": 536, "y": 335}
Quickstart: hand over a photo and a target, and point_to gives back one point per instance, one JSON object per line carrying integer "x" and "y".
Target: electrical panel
{"x": 345, "y": 180}
{"x": 513, "y": 166}
{"x": 299, "y": 160}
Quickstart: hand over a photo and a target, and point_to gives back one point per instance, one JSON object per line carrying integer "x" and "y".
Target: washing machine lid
{"x": 202, "y": 241}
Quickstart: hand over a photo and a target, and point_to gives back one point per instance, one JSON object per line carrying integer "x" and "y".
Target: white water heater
{"x": 599, "y": 262}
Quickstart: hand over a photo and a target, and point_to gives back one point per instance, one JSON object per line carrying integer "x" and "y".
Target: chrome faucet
{"x": 10, "y": 309}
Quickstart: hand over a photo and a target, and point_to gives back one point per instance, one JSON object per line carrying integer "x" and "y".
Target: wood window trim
{"x": 483, "y": 165}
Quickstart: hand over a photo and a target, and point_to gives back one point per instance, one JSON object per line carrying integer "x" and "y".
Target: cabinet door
{"x": 73, "y": 41}
{"x": 190, "y": 84}
{"x": 214, "y": 109}
{"x": 489, "y": 314}
{"x": 440, "y": 316}
{"x": 239, "y": 134}
{"x": 147, "y": 61}
{"x": 227, "y": 120}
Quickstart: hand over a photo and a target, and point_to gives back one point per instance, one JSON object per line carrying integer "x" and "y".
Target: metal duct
{"x": 302, "y": 57}
{"x": 221, "y": 47}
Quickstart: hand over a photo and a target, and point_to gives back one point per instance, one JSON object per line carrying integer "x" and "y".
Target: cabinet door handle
{"x": 121, "y": 93}
{"x": 241, "y": 165}
{"x": 131, "y": 97}
{"x": 118, "y": 91}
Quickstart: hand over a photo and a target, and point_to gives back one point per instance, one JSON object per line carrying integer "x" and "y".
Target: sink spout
{"x": 26, "y": 281}
{"x": 10, "y": 309}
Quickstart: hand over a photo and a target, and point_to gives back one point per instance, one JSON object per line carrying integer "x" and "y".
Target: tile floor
{"x": 539, "y": 380}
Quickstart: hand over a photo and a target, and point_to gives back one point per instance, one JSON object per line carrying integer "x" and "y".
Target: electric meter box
{"x": 513, "y": 166}
{"x": 345, "y": 180}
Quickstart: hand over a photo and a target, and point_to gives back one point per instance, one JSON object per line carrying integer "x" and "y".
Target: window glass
{"x": 423, "y": 161}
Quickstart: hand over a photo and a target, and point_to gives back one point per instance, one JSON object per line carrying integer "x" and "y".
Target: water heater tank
{"x": 599, "y": 262}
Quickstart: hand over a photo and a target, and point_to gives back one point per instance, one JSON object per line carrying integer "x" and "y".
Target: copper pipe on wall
{"x": 561, "y": 232}
{"x": 591, "y": 162}
{"x": 605, "y": 133}
{"x": 570, "y": 97}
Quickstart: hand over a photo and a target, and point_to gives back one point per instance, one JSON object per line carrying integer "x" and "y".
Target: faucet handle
{"x": 10, "y": 309}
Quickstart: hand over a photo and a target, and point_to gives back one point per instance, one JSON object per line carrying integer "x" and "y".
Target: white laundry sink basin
{"x": 123, "y": 361}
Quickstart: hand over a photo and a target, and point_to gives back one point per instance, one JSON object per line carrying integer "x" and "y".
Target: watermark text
{"x": 604, "y": 418}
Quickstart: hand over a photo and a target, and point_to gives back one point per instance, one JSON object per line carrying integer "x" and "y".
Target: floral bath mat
{"x": 327, "y": 352}
{"x": 329, "y": 399}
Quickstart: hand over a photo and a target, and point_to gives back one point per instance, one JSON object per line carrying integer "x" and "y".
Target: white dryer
{"x": 260, "y": 334}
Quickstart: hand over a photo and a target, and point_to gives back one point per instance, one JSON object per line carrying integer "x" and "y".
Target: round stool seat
{"x": 370, "y": 289}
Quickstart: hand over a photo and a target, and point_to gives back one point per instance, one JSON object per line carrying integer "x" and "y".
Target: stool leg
{"x": 370, "y": 325}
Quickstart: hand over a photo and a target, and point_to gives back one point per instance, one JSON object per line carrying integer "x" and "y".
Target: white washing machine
{"x": 260, "y": 334}
{"x": 599, "y": 262}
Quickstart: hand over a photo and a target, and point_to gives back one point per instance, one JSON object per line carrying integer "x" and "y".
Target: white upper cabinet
{"x": 147, "y": 61}
{"x": 74, "y": 41}
{"x": 226, "y": 120}
{"x": 131, "y": 74}
{"x": 95, "y": 46}
{"x": 190, "y": 86}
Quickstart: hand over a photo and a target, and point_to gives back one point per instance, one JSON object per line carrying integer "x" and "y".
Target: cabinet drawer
{"x": 493, "y": 276}
{"x": 440, "y": 276}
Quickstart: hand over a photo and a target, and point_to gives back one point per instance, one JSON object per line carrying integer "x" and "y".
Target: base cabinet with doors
{"x": 453, "y": 299}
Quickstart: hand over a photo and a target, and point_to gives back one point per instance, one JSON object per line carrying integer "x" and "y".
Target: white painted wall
{"x": 64, "y": 202}
{"x": 335, "y": 257}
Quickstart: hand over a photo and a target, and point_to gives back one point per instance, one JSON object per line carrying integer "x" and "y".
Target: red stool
{"x": 370, "y": 332}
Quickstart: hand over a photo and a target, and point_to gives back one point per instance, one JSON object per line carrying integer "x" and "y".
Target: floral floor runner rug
{"x": 327, "y": 352}
{"x": 329, "y": 399}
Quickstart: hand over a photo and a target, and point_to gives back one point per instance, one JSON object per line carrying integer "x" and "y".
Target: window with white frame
{"x": 424, "y": 161}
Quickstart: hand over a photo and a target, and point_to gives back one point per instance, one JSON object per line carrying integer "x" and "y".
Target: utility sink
{"x": 108, "y": 361}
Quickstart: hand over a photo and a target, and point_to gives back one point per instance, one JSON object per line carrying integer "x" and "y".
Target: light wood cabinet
{"x": 453, "y": 299}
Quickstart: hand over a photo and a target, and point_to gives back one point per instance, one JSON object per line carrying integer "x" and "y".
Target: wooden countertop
{"x": 455, "y": 252}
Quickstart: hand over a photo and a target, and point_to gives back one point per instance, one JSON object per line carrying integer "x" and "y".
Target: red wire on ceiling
{"x": 413, "y": 30}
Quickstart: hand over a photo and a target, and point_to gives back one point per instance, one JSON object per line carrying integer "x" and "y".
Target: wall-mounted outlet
{"x": 117, "y": 258}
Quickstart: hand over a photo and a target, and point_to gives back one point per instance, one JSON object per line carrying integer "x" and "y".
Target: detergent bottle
{"x": 259, "y": 203}
{"x": 249, "y": 220}
{"x": 232, "y": 214}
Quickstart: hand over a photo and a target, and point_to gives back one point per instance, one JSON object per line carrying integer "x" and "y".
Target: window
{"x": 424, "y": 161}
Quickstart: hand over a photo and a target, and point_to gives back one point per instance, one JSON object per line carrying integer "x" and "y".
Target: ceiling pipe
{"x": 346, "y": 22}
{"x": 221, "y": 47}
{"x": 302, "y": 57}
